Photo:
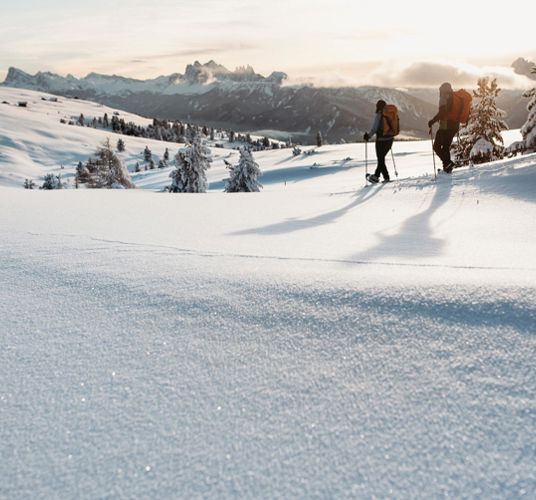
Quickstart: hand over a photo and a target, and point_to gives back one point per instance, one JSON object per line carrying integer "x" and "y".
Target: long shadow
{"x": 414, "y": 238}
{"x": 295, "y": 224}
{"x": 296, "y": 174}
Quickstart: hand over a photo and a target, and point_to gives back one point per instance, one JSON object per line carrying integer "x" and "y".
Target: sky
{"x": 335, "y": 42}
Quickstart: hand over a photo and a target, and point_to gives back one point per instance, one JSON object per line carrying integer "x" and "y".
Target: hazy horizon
{"x": 326, "y": 43}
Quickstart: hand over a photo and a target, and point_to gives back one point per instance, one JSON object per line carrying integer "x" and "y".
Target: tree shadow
{"x": 415, "y": 237}
{"x": 513, "y": 178}
{"x": 296, "y": 174}
{"x": 297, "y": 224}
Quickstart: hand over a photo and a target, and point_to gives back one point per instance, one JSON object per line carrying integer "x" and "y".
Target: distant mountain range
{"x": 243, "y": 100}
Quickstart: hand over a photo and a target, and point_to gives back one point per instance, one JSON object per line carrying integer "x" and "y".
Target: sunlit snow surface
{"x": 319, "y": 339}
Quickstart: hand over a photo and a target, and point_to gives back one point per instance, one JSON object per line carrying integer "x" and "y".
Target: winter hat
{"x": 380, "y": 105}
{"x": 445, "y": 88}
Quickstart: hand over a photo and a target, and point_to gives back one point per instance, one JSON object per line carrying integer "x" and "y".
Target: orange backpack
{"x": 461, "y": 107}
{"x": 390, "y": 121}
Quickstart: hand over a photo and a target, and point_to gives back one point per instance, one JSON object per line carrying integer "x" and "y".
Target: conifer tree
{"x": 120, "y": 145}
{"x": 480, "y": 141}
{"x": 147, "y": 155}
{"x": 166, "y": 155}
{"x": 243, "y": 177}
{"x": 528, "y": 131}
{"x": 192, "y": 163}
{"x": 104, "y": 171}
{"x": 52, "y": 181}
{"x": 319, "y": 139}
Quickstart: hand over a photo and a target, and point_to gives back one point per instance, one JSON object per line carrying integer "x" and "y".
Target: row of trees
{"x": 105, "y": 170}
{"x": 178, "y": 132}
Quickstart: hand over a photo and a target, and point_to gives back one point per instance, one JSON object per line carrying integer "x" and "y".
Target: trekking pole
{"x": 394, "y": 163}
{"x": 433, "y": 152}
{"x": 366, "y": 162}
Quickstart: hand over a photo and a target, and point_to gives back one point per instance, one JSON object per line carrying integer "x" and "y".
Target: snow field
{"x": 317, "y": 339}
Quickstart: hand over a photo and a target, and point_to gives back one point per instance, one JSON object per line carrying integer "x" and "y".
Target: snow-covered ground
{"x": 318, "y": 339}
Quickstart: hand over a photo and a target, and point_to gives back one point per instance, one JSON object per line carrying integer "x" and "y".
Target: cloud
{"x": 524, "y": 67}
{"x": 429, "y": 74}
{"x": 202, "y": 51}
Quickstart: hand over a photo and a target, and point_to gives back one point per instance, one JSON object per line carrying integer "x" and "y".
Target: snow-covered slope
{"x": 317, "y": 339}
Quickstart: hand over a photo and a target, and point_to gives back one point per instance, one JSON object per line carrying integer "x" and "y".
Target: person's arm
{"x": 445, "y": 103}
{"x": 375, "y": 125}
{"x": 441, "y": 115}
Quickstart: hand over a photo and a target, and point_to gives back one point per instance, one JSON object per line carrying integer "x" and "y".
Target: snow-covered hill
{"x": 317, "y": 339}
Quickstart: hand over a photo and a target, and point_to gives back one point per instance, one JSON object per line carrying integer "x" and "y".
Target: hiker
{"x": 384, "y": 142}
{"x": 447, "y": 128}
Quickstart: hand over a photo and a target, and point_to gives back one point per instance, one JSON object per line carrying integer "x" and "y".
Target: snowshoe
{"x": 372, "y": 178}
{"x": 448, "y": 168}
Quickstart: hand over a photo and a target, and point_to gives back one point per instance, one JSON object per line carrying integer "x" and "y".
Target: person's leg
{"x": 441, "y": 140}
{"x": 382, "y": 148}
{"x": 449, "y": 138}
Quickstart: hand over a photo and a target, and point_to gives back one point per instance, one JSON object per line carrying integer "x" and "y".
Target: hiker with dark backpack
{"x": 385, "y": 127}
{"x": 454, "y": 108}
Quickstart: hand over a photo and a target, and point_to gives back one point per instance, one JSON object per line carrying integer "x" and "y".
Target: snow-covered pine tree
{"x": 147, "y": 155}
{"x": 480, "y": 141}
{"x": 243, "y": 177}
{"x": 192, "y": 163}
{"x": 105, "y": 171}
{"x": 319, "y": 139}
{"x": 120, "y": 145}
{"x": 528, "y": 131}
{"x": 166, "y": 155}
{"x": 53, "y": 182}
{"x": 29, "y": 184}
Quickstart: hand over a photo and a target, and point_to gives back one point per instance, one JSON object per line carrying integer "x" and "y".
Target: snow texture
{"x": 319, "y": 339}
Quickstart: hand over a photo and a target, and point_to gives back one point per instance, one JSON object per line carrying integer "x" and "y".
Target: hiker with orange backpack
{"x": 454, "y": 108}
{"x": 386, "y": 126}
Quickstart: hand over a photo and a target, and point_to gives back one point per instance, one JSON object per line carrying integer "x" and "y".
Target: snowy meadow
{"x": 320, "y": 338}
